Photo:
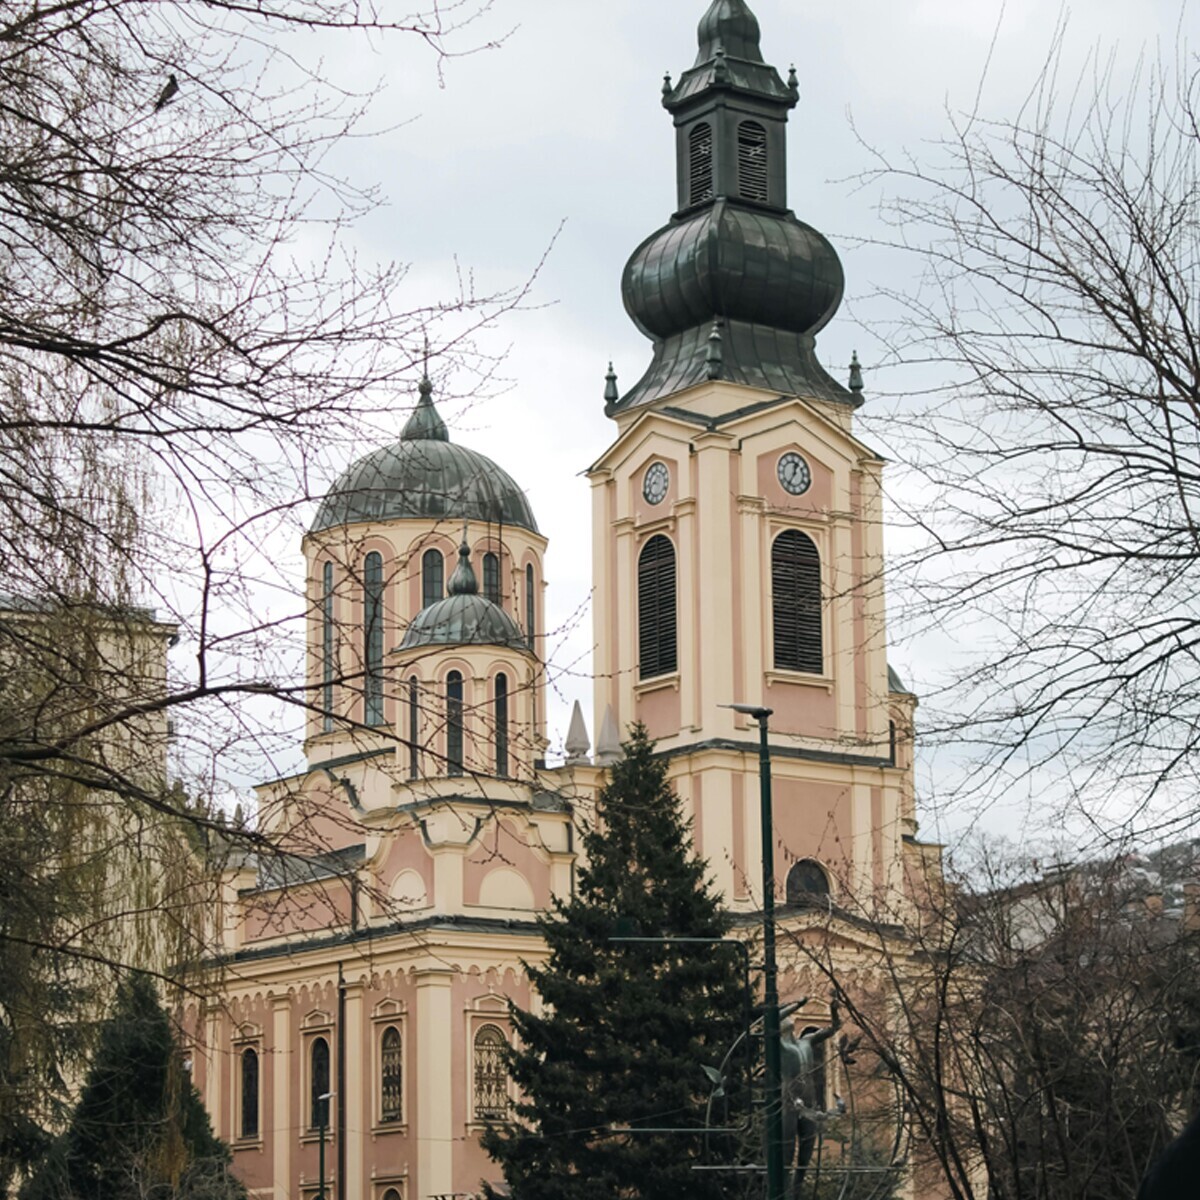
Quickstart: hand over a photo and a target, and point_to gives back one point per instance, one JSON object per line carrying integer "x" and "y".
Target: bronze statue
{"x": 800, "y": 1100}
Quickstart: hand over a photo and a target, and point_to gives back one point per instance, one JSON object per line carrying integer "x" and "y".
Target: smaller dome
{"x": 464, "y": 617}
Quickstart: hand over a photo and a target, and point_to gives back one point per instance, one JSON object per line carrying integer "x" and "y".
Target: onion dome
{"x": 734, "y": 259}
{"x": 464, "y": 617}
{"x": 427, "y": 477}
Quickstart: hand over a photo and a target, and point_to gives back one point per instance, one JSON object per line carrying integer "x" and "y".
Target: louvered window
{"x": 491, "y": 578}
{"x": 373, "y": 639}
{"x": 433, "y": 577}
{"x": 327, "y": 665}
{"x": 318, "y": 1084}
{"x": 796, "y": 603}
{"x": 752, "y": 161}
{"x": 700, "y": 164}
{"x": 454, "y": 723}
{"x": 414, "y": 728}
{"x": 491, "y": 1075}
{"x": 391, "y": 1076}
{"x": 249, "y": 1093}
{"x": 502, "y": 725}
{"x": 656, "y": 608}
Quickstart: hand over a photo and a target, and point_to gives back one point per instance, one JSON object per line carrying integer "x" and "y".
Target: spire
{"x": 712, "y": 358}
{"x": 463, "y": 581}
{"x": 425, "y": 424}
{"x": 578, "y": 743}
{"x": 856, "y": 379}
{"x": 608, "y": 744}
{"x": 610, "y": 386}
{"x": 729, "y": 25}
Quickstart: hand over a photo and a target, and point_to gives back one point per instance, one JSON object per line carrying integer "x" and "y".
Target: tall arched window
{"x": 391, "y": 1194}
{"x": 752, "y": 161}
{"x": 530, "y": 606}
{"x": 454, "y": 723}
{"x": 491, "y": 578}
{"x": 327, "y": 665}
{"x": 391, "y": 1063}
{"x": 502, "y": 725}
{"x": 249, "y": 1093}
{"x": 700, "y": 163}
{"x": 318, "y": 1083}
{"x": 414, "y": 728}
{"x": 796, "y": 603}
{"x": 373, "y": 639}
{"x": 433, "y": 577}
{"x": 657, "y": 653}
{"x": 491, "y": 1075}
{"x": 805, "y": 881}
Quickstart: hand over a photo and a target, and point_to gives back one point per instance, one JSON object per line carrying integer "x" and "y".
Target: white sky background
{"x": 562, "y": 124}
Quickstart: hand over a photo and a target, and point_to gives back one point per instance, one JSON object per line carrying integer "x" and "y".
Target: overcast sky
{"x": 562, "y": 125}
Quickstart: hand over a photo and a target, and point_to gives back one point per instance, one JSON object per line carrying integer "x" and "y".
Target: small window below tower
{"x": 752, "y": 161}
{"x": 700, "y": 164}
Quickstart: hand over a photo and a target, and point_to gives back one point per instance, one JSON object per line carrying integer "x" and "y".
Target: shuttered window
{"x": 657, "y": 653}
{"x": 752, "y": 161}
{"x": 454, "y": 723}
{"x": 491, "y": 578}
{"x": 373, "y": 639}
{"x": 700, "y": 164}
{"x": 433, "y": 574}
{"x": 796, "y": 603}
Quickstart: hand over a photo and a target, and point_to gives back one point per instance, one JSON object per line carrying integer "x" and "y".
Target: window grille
{"x": 502, "y": 725}
{"x": 433, "y": 577}
{"x": 391, "y": 1077}
{"x": 796, "y": 603}
{"x": 657, "y": 651}
{"x": 752, "y": 161}
{"x": 700, "y": 164}
{"x": 373, "y": 639}
{"x": 249, "y": 1093}
{"x": 454, "y": 723}
{"x": 805, "y": 880}
{"x": 491, "y": 1075}
{"x": 327, "y": 666}
{"x": 530, "y": 606}
{"x": 491, "y": 578}
{"x": 319, "y": 1084}
{"x": 414, "y": 728}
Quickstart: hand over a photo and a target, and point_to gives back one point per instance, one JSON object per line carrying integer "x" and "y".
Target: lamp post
{"x": 774, "y": 1105}
{"x": 323, "y": 1100}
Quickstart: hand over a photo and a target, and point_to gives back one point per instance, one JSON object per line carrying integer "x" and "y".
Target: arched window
{"x": 502, "y": 725}
{"x": 391, "y": 1194}
{"x": 433, "y": 577}
{"x": 700, "y": 163}
{"x": 373, "y": 639}
{"x": 530, "y": 606}
{"x": 491, "y": 1075}
{"x": 796, "y": 603}
{"x": 318, "y": 1083}
{"x": 491, "y": 578}
{"x": 752, "y": 161}
{"x": 414, "y": 728}
{"x": 249, "y": 1093}
{"x": 390, "y": 1075}
{"x": 805, "y": 881}
{"x": 454, "y": 723}
{"x": 656, "y": 608}
{"x": 327, "y": 665}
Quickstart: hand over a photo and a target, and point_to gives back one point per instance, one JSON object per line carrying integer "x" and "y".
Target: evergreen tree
{"x": 139, "y": 1131}
{"x": 628, "y": 1028}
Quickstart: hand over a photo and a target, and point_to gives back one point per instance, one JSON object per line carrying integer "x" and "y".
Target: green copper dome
{"x": 464, "y": 617}
{"x": 424, "y": 476}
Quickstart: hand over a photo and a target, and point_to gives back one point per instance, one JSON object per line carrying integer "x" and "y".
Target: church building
{"x": 738, "y": 557}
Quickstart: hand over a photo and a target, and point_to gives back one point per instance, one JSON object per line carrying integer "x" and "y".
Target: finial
{"x": 666, "y": 88}
{"x": 611, "y": 393}
{"x": 425, "y": 424}
{"x": 608, "y": 744}
{"x": 720, "y": 66}
{"x": 714, "y": 358}
{"x": 578, "y": 743}
{"x": 856, "y": 379}
{"x": 793, "y": 81}
{"x": 463, "y": 581}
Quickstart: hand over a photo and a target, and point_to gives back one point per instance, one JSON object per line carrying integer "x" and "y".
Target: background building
{"x": 737, "y": 557}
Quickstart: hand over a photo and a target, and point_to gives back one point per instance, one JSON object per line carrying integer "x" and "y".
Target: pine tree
{"x": 139, "y": 1131}
{"x": 628, "y": 1028}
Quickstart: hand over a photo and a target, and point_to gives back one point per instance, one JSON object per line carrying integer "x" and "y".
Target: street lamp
{"x": 774, "y": 1105}
{"x": 323, "y": 1099}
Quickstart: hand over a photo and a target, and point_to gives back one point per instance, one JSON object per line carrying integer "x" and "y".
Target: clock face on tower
{"x": 794, "y": 474}
{"x": 656, "y": 483}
